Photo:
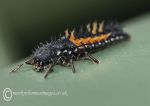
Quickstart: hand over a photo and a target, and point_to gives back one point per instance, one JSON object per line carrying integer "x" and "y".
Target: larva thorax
{"x": 54, "y": 52}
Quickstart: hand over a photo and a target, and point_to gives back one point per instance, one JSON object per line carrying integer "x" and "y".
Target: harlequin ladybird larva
{"x": 75, "y": 45}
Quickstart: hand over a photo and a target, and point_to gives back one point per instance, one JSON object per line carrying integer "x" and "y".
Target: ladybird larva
{"x": 75, "y": 45}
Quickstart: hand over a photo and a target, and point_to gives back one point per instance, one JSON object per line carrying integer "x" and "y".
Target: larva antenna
{"x": 17, "y": 68}
{"x": 29, "y": 61}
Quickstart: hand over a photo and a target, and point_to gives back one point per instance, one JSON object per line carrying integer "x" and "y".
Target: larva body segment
{"x": 75, "y": 45}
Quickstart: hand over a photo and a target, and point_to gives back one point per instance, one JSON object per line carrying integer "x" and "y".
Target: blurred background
{"x": 23, "y": 23}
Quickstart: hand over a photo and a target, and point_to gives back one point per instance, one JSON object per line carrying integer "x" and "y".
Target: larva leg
{"x": 72, "y": 66}
{"x": 93, "y": 59}
{"x": 69, "y": 64}
{"x": 49, "y": 70}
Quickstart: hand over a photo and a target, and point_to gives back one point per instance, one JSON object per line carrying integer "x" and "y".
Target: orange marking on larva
{"x": 95, "y": 39}
{"x": 72, "y": 37}
{"x": 102, "y": 37}
{"x": 78, "y": 41}
{"x": 86, "y": 40}
{"x": 89, "y": 40}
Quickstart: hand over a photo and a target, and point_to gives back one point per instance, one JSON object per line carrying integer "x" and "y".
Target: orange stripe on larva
{"x": 88, "y": 40}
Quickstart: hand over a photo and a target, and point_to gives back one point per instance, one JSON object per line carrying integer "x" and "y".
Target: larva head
{"x": 35, "y": 64}
{"x": 42, "y": 56}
